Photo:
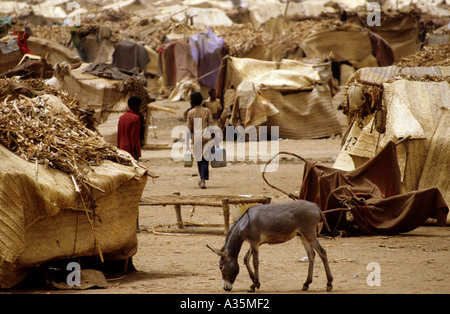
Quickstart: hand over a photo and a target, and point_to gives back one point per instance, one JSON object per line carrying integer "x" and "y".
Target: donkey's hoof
{"x": 305, "y": 288}
{"x": 254, "y": 286}
{"x": 329, "y": 287}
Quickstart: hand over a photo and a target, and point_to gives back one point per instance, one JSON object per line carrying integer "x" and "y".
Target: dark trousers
{"x": 203, "y": 169}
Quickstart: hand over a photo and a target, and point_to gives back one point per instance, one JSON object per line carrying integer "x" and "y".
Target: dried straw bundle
{"x": 40, "y": 132}
{"x": 431, "y": 55}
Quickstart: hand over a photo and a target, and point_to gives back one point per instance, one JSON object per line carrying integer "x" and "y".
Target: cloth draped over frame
{"x": 373, "y": 193}
{"x": 206, "y": 49}
{"x": 129, "y": 55}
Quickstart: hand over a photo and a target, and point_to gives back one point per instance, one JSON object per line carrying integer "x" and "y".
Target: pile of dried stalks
{"x": 42, "y": 133}
{"x": 240, "y": 38}
{"x": 431, "y": 55}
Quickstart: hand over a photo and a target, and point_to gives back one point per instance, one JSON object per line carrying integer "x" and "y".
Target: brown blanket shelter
{"x": 373, "y": 193}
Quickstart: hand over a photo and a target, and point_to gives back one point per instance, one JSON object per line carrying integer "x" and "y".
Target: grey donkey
{"x": 272, "y": 223}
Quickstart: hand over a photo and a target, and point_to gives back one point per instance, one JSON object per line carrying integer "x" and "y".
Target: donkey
{"x": 272, "y": 223}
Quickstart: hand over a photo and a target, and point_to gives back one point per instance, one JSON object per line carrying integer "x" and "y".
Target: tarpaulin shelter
{"x": 400, "y": 30}
{"x": 58, "y": 203}
{"x": 373, "y": 194}
{"x": 98, "y": 45}
{"x": 5, "y": 25}
{"x": 129, "y": 54}
{"x": 288, "y": 94}
{"x": 177, "y": 63}
{"x": 91, "y": 91}
{"x": 30, "y": 69}
{"x": 391, "y": 103}
{"x": 348, "y": 43}
{"x": 206, "y": 49}
{"x": 54, "y": 53}
{"x": 106, "y": 96}
{"x": 198, "y": 15}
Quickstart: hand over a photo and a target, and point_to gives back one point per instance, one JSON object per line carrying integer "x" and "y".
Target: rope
{"x": 290, "y": 195}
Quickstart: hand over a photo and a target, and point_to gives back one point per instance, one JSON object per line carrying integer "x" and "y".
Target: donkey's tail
{"x": 325, "y": 222}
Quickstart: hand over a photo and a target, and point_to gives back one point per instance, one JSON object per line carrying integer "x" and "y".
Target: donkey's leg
{"x": 255, "y": 255}
{"x": 311, "y": 256}
{"x": 323, "y": 255}
{"x": 247, "y": 264}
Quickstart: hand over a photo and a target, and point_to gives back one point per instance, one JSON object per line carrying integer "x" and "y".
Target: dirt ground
{"x": 171, "y": 261}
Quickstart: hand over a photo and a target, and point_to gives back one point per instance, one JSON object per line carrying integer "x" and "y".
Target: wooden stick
{"x": 226, "y": 213}
{"x": 178, "y": 213}
{"x": 89, "y": 219}
{"x": 154, "y": 107}
{"x": 336, "y": 210}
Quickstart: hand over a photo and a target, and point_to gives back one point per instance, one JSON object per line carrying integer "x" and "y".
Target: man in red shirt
{"x": 129, "y": 128}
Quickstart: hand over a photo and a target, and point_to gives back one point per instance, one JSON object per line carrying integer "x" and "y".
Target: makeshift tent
{"x": 373, "y": 194}
{"x": 31, "y": 69}
{"x": 107, "y": 97}
{"x": 91, "y": 91}
{"x": 61, "y": 196}
{"x": 399, "y": 30}
{"x": 360, "y": 48}
{"x": 198, "y": 16}
{"x": 99, "y": 48}
{"x": 288, "y": 94}
{"x": 53, "y": 52}
{"x": 5, "y": 25}
{"x": 178, "y": 63}
{"x": 206, "y": 49}
{"x": 128, "y": 55}
{"x": 383, "y": 107}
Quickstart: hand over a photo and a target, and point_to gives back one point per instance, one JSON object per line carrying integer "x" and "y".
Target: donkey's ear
{"x": 218, "y": 252}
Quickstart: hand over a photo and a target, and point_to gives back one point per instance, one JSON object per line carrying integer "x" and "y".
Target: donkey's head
{"x": 228, "y": 266}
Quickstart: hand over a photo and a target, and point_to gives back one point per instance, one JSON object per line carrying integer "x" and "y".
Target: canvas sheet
{"x": 206, "y": 49}
{"x": 91, "y": 91}
{"x": 436, "y": 168}
{"x": 373, "y": 193}
{"x": 251, "y": 107}
{"x": 43, "y": 217}
{"x": 284, "y": 94}
{"x": 341, "y": 43}
{"x": 178, "y": 63}
{"x": 413, "y": 108}
{"x": 399, "y": 30}
{"x": 303, "y": 115}
{"x": 288, "y": 74}
{"x": 128, "y": 55}
{"x": 54, "y": 52}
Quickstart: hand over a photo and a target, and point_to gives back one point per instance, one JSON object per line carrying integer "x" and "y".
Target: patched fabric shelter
{"x": 290, "y": 94}
{"x": 372, "y": 192}
{"x": 393, "y": 103}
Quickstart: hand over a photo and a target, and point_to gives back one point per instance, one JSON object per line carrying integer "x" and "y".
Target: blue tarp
{"x": 5, "y": 25}
{"x": 206, "y": 49}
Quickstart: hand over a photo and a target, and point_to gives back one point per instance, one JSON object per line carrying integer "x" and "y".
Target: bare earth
{"x": 169, "y": 261}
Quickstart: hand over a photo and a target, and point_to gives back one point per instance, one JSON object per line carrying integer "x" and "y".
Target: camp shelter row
{"x": 394, "y": 103}
{"x": 199, "y": 58}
